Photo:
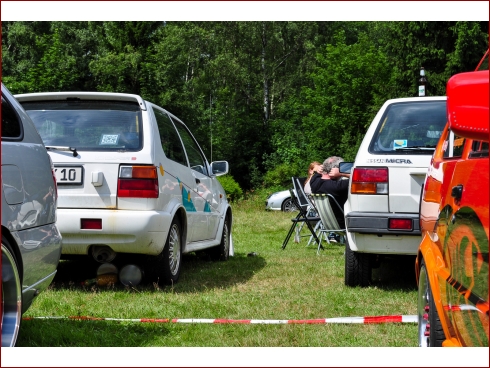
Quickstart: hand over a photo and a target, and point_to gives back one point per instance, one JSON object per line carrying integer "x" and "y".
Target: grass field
{"x": 275, "y": 284}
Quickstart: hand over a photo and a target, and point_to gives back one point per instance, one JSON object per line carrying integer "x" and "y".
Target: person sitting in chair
{"x": 315, "y": 166}
{"x": 329, "y": 182}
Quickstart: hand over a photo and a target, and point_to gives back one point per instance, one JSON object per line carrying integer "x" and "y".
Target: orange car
{"x": 452, "y": 260}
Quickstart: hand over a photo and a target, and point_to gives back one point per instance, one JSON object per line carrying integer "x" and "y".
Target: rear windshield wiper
{"x": 416, "y": 148}
{"x": 63, "y": 148}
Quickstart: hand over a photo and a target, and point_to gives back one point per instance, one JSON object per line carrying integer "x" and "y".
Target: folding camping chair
{"x": 323, "y": 204}
{"x": 304, "y": 200}
{"x": 302, "y": 217}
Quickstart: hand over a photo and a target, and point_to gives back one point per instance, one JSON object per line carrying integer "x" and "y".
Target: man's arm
{"x": 336, "y": 174}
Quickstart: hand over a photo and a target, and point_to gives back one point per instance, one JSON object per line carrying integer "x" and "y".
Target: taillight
{"x": 91, "y": 224}
{"x": 432, "y": 190}
{"x": 137, "y": 182}
{"x": 400, "y": 224}
{"x": 370, "y": 180}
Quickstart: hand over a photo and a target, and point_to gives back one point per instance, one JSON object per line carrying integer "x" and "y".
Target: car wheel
{"x": 430, "y": 330}
{"x": 287, "y": 205}
{"x": 166, "y": 266}
{"x": 222, "y": 251}
{"x": 357, "y": 267}
{"x": 11, "y": 296}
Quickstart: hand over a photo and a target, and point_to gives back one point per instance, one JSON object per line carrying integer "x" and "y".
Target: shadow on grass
{"x": 198, "y": 273}
{"x": 74, "y": 333}
{"x": 395, "y": 273}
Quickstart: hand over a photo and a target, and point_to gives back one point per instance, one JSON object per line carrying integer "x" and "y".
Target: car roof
{"x": 416, "y": 99}
{"x": 108, "y": 96}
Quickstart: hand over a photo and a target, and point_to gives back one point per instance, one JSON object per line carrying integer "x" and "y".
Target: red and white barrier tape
{"x": 361, "y": 320}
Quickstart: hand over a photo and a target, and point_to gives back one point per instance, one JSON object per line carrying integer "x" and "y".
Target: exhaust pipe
{"x": 103, "y": 253}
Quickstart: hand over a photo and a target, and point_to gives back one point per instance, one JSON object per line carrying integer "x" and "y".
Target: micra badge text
{"x": 389, "y": 161}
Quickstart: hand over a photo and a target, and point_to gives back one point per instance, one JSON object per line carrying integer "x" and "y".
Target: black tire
{"x": 287, "y": 205}
{"x": 167, "y": 265}
{"x": 430, "y": 332}
{"x": 11, "y": 295}
{"x": 222, "y": 251}
{"x": 357, "y": 267}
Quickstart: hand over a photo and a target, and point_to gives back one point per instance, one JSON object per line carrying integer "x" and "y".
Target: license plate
{"x": 69, "y": 175}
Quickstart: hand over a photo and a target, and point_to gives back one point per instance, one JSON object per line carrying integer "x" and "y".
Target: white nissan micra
{"x": 383, "y": 205}
{"x": 131, "y": 179}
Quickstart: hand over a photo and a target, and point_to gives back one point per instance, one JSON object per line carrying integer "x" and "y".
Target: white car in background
{"x": 280, "y": 201}
{"x": 132, "y": 179}
{"x": 383, "y": 205}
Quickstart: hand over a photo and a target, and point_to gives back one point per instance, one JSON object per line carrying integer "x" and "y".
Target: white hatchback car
{"x": 131, "y": 179}
{"x": 383, "y": 205}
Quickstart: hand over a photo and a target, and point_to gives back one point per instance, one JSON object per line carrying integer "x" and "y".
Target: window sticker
{"x": 109, "y": 139}
{"x": 399, "y": 143}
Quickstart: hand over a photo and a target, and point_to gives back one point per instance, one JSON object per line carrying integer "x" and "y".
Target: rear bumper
{"x": 143, "y": 232}
{"x": 377, "y": 223}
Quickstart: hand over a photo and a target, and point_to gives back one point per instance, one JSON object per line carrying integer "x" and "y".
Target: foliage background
{"x": 269, "y": 97}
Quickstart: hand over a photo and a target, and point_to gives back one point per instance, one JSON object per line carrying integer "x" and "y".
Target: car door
{"x": 178, "y": 174}
{"x": 207, "y": 196}
{"x": 465, "y": 246}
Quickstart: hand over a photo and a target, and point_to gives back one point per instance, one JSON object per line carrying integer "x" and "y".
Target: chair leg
{"x": 320, "y": 246}
{"x": 313, "y": 233}
{"x": 323, "y": 235}
{"x": 301, "y": 226}
{"x": 317, "y": 229}
{"x": 291, "y": 230}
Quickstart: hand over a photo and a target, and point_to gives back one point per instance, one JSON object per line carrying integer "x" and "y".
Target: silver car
{"x": 280, "y": 201}
{"x": 31, "y": 242}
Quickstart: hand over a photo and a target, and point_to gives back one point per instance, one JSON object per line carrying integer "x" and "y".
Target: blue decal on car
{"x": 186, "y": 198}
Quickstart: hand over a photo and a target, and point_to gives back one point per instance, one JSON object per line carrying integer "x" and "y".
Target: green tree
{"x": 442, "y": 48}
{"x": 262, "y": 95}
{"x": 46, "y": 56}
{"x": 119, "y": 64}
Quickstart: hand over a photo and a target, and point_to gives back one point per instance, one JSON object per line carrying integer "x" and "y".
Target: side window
{"x": 11, "y": 126}
{"x": 479, "y": 149}
{"x": 453, "y": 146}
{"x": 196, "y": 159}
{"x": 170, "y": 140}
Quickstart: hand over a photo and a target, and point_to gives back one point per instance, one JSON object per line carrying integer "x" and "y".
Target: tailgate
{"x": 405, "y": 185}
{"x": 86, "y": 184}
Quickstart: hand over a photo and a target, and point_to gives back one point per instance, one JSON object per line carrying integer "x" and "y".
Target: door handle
{"x": 457, "y": 192}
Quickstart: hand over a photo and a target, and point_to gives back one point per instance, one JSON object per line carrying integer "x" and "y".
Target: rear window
{"x": 11, "y": 126}
{"x": 410, "y": 128}
{"x": 88, "y": 125}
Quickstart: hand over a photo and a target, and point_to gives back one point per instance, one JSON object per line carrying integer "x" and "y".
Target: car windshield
{"x": 88, "y": 125}
{"x": 410, "y": 127}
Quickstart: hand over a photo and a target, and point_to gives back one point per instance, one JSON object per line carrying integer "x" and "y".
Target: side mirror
{"x": 219, "y": 168}
{"x": 346, "y": 167}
